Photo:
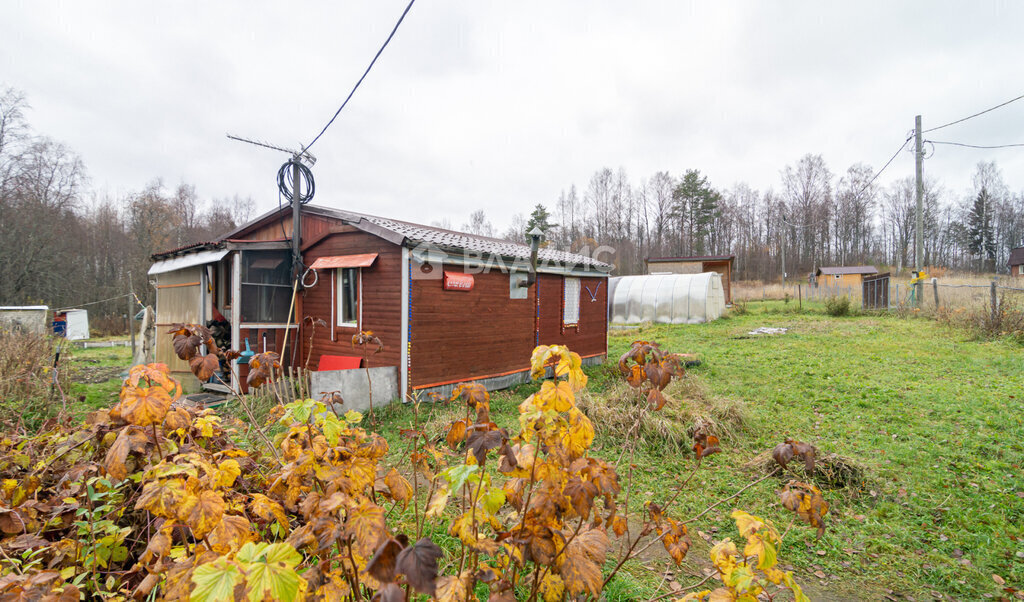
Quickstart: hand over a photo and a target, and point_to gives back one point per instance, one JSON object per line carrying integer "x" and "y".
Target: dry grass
{"x": 956, "y": 290}
{"x": 831, "y": 471}
{"x": 689, "y": 408}
{"x": 439, "y": 416}
{"x": 28, "y": 393}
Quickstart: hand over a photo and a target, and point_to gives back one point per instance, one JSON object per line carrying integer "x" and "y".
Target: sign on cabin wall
{"x": 458, "y": 282}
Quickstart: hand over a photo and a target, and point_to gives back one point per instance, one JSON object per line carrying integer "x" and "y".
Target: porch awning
{"x": 364, "y": 260}
{"x": 187, "y": 261}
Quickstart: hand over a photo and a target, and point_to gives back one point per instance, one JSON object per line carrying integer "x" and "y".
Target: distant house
{"x": 1016, "y": 262}
{"x": 26, "y": 318}
{"x": 843, "y": 277}
{"x": 695, "y": 264}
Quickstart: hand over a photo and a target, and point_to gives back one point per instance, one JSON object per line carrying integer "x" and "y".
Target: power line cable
{"x": 887, "y": 163}
{"x": 859, "y": 192}
{"x": 365, "y": 73}
{"x": 973, "y": 145}
{"x": 946, "y": 125}
{"x": 122, "y": 296}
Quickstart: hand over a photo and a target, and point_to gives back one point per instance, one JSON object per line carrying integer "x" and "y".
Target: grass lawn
{"x": 934, "y": 419}
{"x": 96, "y": 376}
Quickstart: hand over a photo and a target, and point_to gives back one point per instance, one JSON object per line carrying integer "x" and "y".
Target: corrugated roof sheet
{"x": 852, "y": 269}
{"x": 691, "y": 258}
{"x": 362, "y": 260}
{"x": 189, "y": 248}
{"x": 462, "y": 241}
{"x": 414, "y": 234}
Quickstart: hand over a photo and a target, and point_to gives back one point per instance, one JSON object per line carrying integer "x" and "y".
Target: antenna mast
{"x": 295, "y": 195}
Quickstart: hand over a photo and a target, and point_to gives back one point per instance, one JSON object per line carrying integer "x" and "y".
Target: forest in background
{"x": 822, "y": 219}
{"x": 64, "y": 244}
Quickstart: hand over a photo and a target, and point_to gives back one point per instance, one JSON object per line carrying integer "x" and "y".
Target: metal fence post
{"x": 935, "y": 289}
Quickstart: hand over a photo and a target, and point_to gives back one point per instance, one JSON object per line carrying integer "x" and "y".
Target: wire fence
{"x": 934, "y": 294}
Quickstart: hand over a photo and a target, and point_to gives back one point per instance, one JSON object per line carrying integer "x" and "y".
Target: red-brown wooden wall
{"x": 381, "y": 301}
{"x": 591, "y": 336}
{"x": 460, "y": 335}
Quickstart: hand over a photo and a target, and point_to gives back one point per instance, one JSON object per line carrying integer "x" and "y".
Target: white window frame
{"x": 340, "y": 309}
{"x": 568, "y": 283}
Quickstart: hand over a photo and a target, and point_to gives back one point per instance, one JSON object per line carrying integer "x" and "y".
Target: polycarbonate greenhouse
{"x": 666, "y": 298}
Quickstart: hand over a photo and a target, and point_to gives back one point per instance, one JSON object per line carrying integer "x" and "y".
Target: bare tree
{"x": 479, "y": 224}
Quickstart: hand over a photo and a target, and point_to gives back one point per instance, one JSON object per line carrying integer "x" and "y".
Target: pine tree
{"x": 981, "y": 237}
{"x": 539, "y": 218}
{"x": 695, "y": 205}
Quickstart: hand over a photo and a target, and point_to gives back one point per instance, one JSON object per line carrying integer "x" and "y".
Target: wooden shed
{"x": 449, "y": 307}
{"x": 1016, "y": 262}
{"x": 843, "y": 277}
{"x": 695, "y": 264}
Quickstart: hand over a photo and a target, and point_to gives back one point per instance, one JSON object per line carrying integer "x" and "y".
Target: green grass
{"x": 935, "y": 419}
{"x": 96, "y": 376}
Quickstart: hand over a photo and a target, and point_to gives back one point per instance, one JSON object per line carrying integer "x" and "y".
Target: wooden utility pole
{"x": 783, "y": 252}
{"x": 296, "y": 220}
{"x": 918, "y": 240}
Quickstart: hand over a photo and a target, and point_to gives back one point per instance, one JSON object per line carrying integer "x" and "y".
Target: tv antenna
{"x": 302, "y": 155}
{"x": 290, "y": 184}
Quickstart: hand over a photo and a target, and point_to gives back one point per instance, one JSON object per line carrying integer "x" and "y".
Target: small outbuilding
{"x": 843, "y": 277}
{"x": 26, "y": 318}
{"x": 72, "y": 324}
{"x": 1016, "y": 261}
{"x": 695, "y": 264}
{"x": 666, "y": 298}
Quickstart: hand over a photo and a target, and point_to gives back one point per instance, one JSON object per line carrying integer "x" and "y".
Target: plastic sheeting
{"x": 666, "y": 298}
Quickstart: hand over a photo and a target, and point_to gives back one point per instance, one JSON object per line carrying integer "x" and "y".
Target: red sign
{"x": 458, "y": 282}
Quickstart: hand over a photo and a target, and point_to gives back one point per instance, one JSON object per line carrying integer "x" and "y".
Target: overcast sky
{"x": 501, "y": 105}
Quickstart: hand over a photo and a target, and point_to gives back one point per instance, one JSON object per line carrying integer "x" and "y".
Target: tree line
{"x": 64, "y": 246}
{"x": 815, "y": 217}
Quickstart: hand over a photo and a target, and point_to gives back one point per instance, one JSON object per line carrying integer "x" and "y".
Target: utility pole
{"x": 783, "y": 213}
{"x": 296, "y": 220}
{"x": 918, "y": 240}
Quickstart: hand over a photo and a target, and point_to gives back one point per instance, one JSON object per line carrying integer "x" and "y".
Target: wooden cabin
{"x": 449, "y": 307}
{"x": 695, "y": 264}
{"x": 1016, "y": 262}
{"x": 850, "y": 277}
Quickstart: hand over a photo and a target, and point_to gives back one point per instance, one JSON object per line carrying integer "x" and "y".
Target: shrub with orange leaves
{"x": 153, "y": 499}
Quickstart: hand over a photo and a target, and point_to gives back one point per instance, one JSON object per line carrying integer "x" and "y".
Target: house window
{"x": 266, "y": 287}
{"x": 348, "y": 297}
{"x": 570, "y": 301}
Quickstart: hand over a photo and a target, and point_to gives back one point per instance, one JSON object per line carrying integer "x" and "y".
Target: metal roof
{"x": 1016, "y": 256}
{"x": 411, "y": 235}
{"x": 189, "y": 248}
{"x": 200, "y": 256}
{"x": 692, "y": 258}
{"x": 362, "y": 260}
{"x": 853, "y": 269}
